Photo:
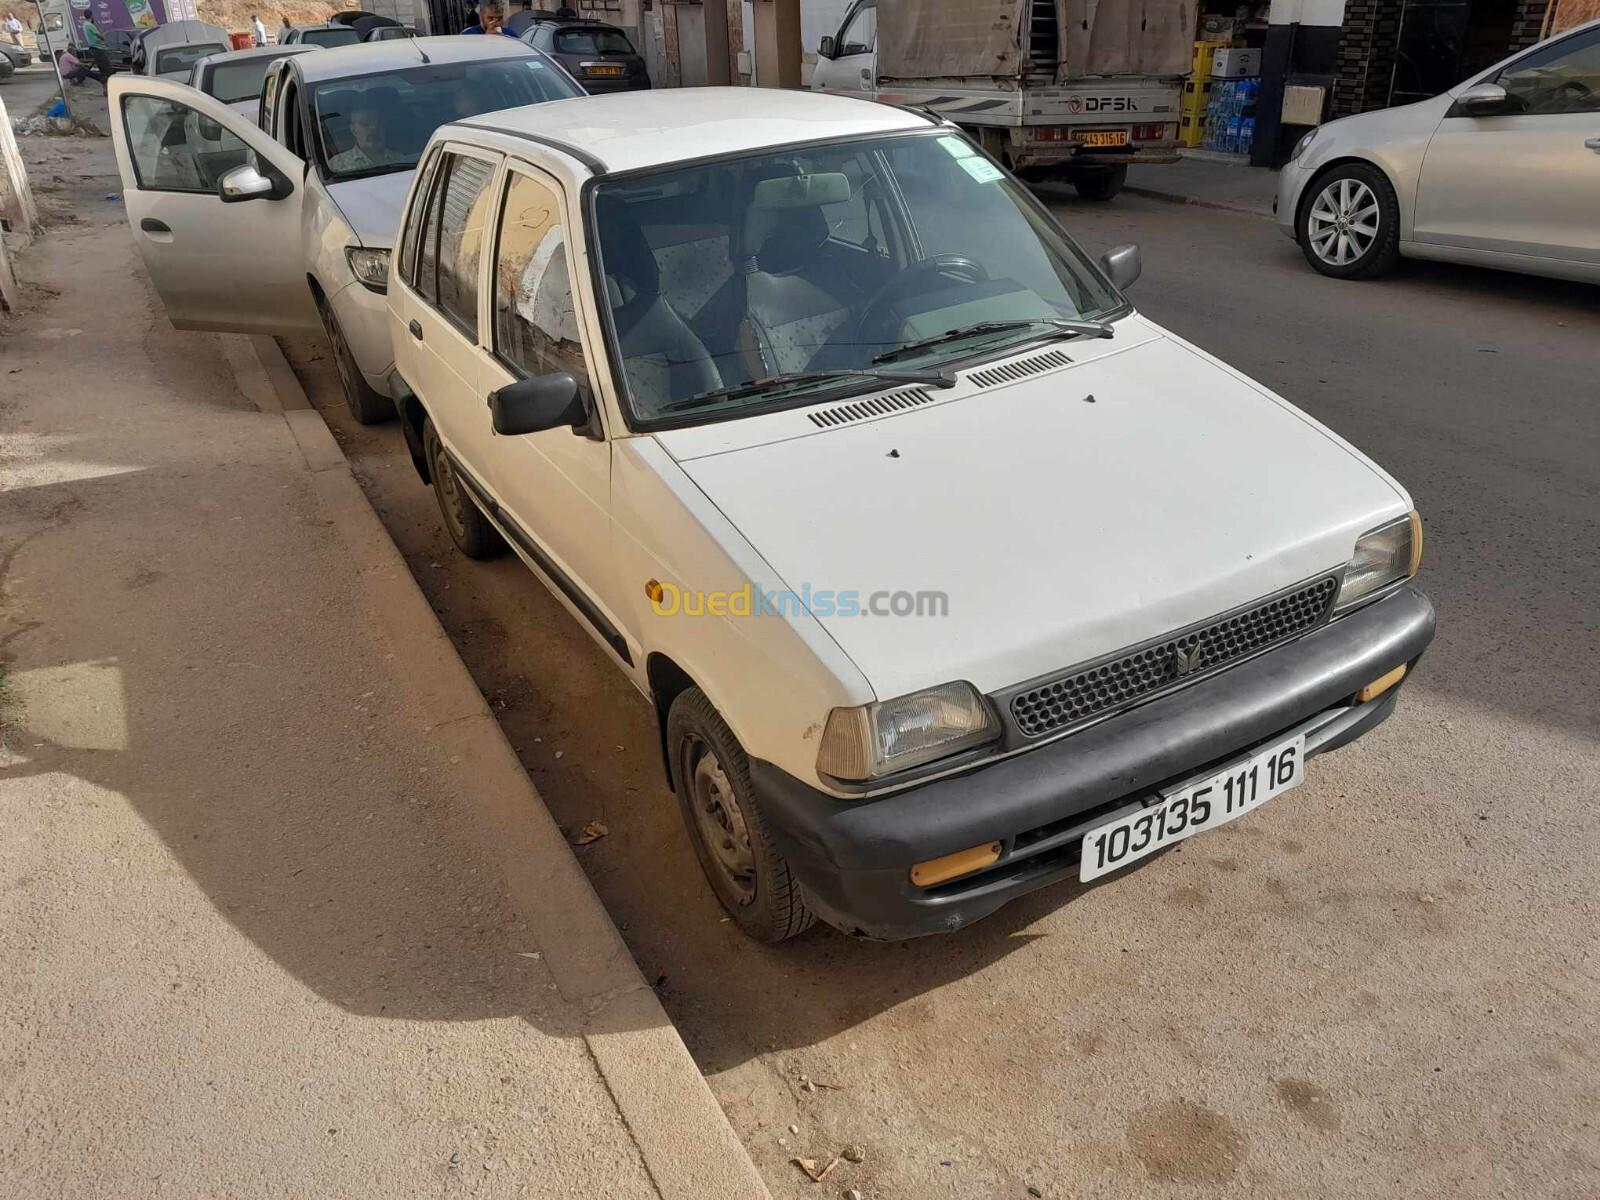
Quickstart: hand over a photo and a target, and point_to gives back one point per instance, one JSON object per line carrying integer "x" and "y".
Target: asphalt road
{"x": 1384, "y": 984}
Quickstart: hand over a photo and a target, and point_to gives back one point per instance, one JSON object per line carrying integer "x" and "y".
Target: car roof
{"x": 625, "y": 131}
{"x": 398, "y": 54}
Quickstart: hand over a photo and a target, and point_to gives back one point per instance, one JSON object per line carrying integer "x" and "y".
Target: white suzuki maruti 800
{"x": 948, "y": 574}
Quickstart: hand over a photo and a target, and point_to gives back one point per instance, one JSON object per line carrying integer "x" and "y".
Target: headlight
{"x": 1302, "y": 145}
{"x": 879, "y": 739}
{"x": 1383, "y": 556}
{"x": 371, "y": 267}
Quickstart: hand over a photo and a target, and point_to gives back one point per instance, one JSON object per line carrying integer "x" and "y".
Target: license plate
{"x": 604, "y": 70}
{"x": 1194, "y": 808}
{"x": 1105, "y": 137}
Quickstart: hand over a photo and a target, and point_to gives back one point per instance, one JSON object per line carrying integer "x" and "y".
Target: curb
{"x": 1179, "y": 198}
{"x": 682, "y": 1135}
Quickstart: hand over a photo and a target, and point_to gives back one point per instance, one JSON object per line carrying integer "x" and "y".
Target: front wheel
{"x": 1350, "y": 227}
{"x": 366, "y": 404}
{"x": 471, "y": 531}
{"x": 1099, "y": 183}
{"x": 712, "y": 778}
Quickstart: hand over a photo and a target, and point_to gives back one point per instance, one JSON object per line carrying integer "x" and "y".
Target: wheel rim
{"x": 720, "y": 821}
{"x": 1343, "y": 222}
{"x": 450, "y": 497}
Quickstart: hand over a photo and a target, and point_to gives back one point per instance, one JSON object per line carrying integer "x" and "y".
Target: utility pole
{"x": 55, "y": 63}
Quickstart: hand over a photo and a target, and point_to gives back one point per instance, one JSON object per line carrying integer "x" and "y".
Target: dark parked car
{"x": 597, "y": 55}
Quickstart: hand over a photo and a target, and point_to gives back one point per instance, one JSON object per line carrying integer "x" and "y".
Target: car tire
{"x": 1099, "y": 183}
{"x": 712, "y": 778}
{"x": 366, "y": 404}
{"x": 472, "y": 532}
{"x": 1348, "y": 226}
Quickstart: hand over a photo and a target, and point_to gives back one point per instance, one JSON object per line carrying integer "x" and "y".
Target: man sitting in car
{"x": 371, "y": 148}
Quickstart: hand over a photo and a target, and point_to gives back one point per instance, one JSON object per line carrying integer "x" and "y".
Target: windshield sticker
{"x": 958, "y": 147}
{"x": 980, "y": 169}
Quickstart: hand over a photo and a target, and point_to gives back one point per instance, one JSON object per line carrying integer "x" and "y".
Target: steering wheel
{"x": 957, "y": 266}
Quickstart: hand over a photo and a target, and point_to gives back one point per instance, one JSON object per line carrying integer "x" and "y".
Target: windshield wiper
{"x": 939, "y": 379}
{"x": 1057, "y": 326}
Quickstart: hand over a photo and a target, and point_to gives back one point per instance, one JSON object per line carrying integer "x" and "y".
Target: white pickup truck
{"x": 1065, "y": 89}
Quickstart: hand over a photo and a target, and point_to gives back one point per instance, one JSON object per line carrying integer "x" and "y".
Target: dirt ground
{"x": 1383, "y": 985}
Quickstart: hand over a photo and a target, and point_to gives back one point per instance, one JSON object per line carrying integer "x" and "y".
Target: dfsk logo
{"x": 1109, "y": 104}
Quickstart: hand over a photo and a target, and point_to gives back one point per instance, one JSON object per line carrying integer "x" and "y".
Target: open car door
{"x": 215, "y": 208}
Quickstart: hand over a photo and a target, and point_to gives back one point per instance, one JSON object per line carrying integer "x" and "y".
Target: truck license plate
{"x": 1230, "y": 793}
{"x": 1105, "y": 137}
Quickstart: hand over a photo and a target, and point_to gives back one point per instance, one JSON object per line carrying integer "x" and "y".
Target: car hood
{"x": 371, "y": 206}
{"x": 1138, "y": 488}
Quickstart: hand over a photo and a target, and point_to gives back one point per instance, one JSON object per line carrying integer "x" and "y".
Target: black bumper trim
{"x": 854, "y": 857}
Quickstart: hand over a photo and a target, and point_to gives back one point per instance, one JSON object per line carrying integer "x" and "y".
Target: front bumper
{"x": 1292, "y": 180}
{"x": 854, "y": 857}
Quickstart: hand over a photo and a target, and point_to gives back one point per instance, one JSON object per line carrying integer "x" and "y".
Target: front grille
{"x": 1086, "y": 692}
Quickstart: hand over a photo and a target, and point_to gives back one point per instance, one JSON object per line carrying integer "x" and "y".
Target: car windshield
{"x": 236, "y": 81}
{"x": 908, "y": 252}
{"x": 180, "y": 58}
{"x": 592, "y": 41}
{"x": 378, "y": 124}
{"x": 339, "y": 35}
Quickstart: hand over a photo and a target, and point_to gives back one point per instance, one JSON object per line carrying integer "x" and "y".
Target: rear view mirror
{"x": 1122, "y": 265}
{"x": 538, "y": 403}
{"x": 246, "y": 182}
{"x": 1483, "y": 100}
{"x": 825, "y": 48}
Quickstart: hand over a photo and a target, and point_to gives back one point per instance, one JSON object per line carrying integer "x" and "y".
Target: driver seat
{"x": 798, "y": 290}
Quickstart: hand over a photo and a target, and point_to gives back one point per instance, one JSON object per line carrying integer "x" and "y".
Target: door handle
{"x": 1593, "y": 144}
{"x": 151, "y": 225}
{"x": 416, "y": 329}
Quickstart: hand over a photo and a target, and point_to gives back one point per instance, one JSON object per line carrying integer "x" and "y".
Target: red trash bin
{"x": 242, "y": 41}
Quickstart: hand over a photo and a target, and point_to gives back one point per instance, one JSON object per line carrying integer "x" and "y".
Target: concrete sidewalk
{"x": 280, "y": 914}
{"x": 1213, "y": 182}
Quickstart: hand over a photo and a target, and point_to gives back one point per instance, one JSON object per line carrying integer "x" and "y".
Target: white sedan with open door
{"x": 288, "y": 227}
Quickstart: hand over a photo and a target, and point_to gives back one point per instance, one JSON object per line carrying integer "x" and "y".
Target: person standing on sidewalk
{"x": 283, "y": 34}
{"x": 14, "y": 28}
{"x": 91, "y": 34}
{"x": 258, "y": 31}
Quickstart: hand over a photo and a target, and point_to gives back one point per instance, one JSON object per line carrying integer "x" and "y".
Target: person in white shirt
{"x": 258, "y": 30}
{"x": 371, "y": 148}
{"x": 14, "y": 28}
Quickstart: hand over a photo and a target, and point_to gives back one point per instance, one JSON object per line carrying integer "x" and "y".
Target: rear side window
{"x": 463, "y": 223}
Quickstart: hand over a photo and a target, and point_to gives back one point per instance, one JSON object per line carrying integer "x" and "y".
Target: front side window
{"x": 860, "y": 32}
{"x": 378, "y": 124}
{"x": 535, "y": 321}
{"x": 1563, "y": 78}
{"x": 236, "y": 81}
{"x": 411, "y": 235}
{"x": 463, "y": 221}
{"x": 879, "y": 253}
{"x": 175, "y": 149}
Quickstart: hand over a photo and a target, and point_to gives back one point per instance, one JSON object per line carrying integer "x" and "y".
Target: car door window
{"x": 463, "y": 222}
{"x": 406, "y": 257}
{"x": 426, "y": 280}
{"x": 1562, "y": 78}
{"x": 860, "y": 32}
{"x": 176, "y": 149}
{"x": 535, "y": 320}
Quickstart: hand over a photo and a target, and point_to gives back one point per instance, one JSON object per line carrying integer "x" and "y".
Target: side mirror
{"x": 246, "y": 182}
{"x": 538, "y": 403}
{"x": 1122, "y": 265}
{"x": 825, "y": 47}
{"x": 1483, "y": 100}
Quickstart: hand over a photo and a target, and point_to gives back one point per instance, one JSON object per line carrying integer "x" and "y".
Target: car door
{"x": 437, "y": 300}
{"x": 1525, "y": 183}
{"x": 853, "y": 65}
{"x": 236, "y": 266}
{"x": 554, "y": 487}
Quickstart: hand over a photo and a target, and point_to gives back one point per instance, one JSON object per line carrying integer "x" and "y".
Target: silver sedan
{"x": 1500, "y": 171}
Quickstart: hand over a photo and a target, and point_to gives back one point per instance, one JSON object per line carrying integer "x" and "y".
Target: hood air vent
{"x": 1012, "y": 372}
{"x": 861, "y": 410}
